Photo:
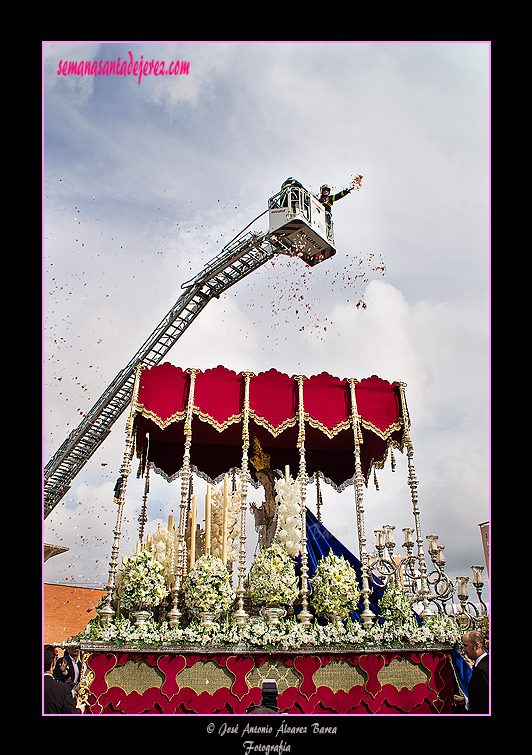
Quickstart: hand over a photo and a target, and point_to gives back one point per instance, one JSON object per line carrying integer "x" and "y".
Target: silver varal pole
{"x": 107, "y": 612}
{"x": 413, "y": 483}
{"x": 367, "y": 614}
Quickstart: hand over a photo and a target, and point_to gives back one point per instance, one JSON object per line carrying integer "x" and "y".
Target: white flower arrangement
{"x": 142, "y": 582}
{"x": 288, "y": 635}
{"x": 272, "y": 578}
{"x": 289, "y": 524}
{"x": 436, "y": 630}
{"x": 335, "y": 589}
{"x": 394, "y": 604}
{"x": 208, "y": 587}
{"x": 232, "y": 522}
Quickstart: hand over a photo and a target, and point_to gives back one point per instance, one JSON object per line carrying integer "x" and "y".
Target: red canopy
{"x": 218, "y": 407}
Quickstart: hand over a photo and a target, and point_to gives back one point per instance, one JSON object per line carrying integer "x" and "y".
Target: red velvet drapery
{"x": 375, "y": 693}
{"x": 218, "y": 404}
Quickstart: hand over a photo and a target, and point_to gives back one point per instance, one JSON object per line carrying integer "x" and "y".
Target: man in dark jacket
{"x": 327, "y": 199}
{"x": 477, "y": 700}
{"x": 57, "y": 696}
{"x": 68, "y": 668}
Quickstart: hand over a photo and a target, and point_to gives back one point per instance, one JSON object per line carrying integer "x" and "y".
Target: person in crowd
{"x": 477, "y": 700}
{"x": 57, "y": 696}
{"x": 68, "y": 668}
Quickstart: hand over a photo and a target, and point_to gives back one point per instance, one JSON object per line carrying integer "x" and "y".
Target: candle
{"x": 287, "y": 473}
{"x": 170, "y": 523}
{"x": 462, "y": 587}
{"x": 193, "y": 533}
{"x": 139, "y": 546}
{"x": 208, "y": 521}
{"x": 408, "y": 535}
{"x": 149, "y": 542}
{"x": 225, "y": 504}
{"x": 477, "y": 571}
{"x": 380, "y": 537}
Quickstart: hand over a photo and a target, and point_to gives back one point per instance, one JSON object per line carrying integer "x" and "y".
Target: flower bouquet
{"x": 207, "y": 587}
{"x": 335, "y": 588}
{"x": 272, "y": 579}
{"x": 289, "y": 524}
{"x": 394, "y": 604}
{"x": 142, "y": 583}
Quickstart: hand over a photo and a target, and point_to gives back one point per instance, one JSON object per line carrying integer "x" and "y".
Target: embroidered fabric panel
{"x": 186, "y": 682}
{"x": 218, "y": 408}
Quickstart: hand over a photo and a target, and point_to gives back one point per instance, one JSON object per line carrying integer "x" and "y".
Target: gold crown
{"x": 261, "y": 460}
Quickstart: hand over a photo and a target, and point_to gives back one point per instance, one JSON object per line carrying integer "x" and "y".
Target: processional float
{"x": 186, "y": 421}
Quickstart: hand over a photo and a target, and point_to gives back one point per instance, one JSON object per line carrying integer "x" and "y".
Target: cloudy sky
{"x": 144, "y": 182}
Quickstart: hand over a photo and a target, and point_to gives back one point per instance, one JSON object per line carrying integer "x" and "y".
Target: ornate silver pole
{"x": 107, "y": 612}
{"x": 367, "y": 614}
{"x": 240, "y": 616}
{"x": 143, "y": 518}
{"x": 174, "y": 614}
{"x": 413, "y": 483}
{"x": 304, "y": 616}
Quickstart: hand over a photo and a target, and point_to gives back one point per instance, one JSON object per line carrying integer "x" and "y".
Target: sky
{"x": 145, "y": 181}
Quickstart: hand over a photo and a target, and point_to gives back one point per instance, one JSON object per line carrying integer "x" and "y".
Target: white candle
{"x": 193, "y": 533}
{"x": 149, "y": 542}
{"x": 139, "y": 546}
{"x": 477, "y": 571}
{"x": 287, "y": 473}
{"x": 170, "y": 523}
{"x": 208, "y": 521}
{"x": 408, "y": 534}
{"x": 462, "y": 586}
{"x": 224, "y": 530}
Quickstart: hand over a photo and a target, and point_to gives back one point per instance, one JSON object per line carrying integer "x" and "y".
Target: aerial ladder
{"x": 297, "y": 227}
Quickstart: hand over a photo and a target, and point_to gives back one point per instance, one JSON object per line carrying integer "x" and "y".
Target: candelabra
{"x": 405, "y": 572}
{"x": 442, "y": 586}
{"x": 402, "y": 570}
{"x": 470, "y": 617}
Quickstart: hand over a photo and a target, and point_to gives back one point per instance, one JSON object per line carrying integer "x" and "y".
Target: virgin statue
{"x": 266, "y": 514}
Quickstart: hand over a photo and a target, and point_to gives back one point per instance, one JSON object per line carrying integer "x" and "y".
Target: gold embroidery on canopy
{"x": 219, "y": 426}
{"x": 383, "y": 434}
{"x": 161, "y": 423}
{"x": 329, "y": 432}
{"x": 275, "y": 431}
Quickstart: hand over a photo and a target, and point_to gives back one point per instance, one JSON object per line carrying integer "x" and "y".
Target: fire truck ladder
{"x": 236, "y": 260}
